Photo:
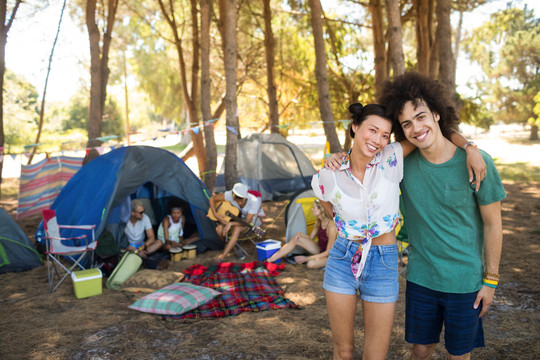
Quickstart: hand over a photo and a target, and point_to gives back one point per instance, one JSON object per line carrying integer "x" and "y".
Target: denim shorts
{"x": 426, "y": 310}
{"x": 379, "y": 280}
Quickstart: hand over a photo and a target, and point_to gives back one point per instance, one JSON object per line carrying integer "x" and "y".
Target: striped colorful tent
{"x": 40, "y": 183}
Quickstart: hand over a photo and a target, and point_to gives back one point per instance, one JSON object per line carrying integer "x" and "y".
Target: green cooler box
{"x": 87, "y": 283}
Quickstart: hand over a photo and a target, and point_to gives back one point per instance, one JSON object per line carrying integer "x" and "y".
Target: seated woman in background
{"x": 324, "y": 228}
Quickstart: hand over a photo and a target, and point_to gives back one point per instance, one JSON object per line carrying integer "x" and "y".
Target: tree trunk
{"x": 321, "y": 73}
{"x": 421, "y": 8}
{"x": 4, "y": 29}
{"x": 42, "y": 108}
{"x": 458, "y": 41}
{"x": 270, "y": 71}
{"x": 190, "y": 97}
{"x": 231, "y": 155}
{"x": 534, "y": 133}
{"x": 209, "y": 176}
{"x": 99, "y": 70}
{"x": 447, "y": 72}
{"x": 377, "y": 20}
{"x": 395, "y": 41}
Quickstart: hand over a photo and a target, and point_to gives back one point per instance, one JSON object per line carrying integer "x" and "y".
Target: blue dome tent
{"x": 101, "y": 191}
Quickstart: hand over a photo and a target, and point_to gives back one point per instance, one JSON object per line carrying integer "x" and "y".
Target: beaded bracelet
{"x": 498, "y": 276}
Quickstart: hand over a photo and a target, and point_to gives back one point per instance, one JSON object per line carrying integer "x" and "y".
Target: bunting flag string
{"x": 188, "y": 127}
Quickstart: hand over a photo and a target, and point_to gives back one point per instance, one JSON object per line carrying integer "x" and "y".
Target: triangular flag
{"x": 231, "y": 129}
{"x": 196, "y": 130}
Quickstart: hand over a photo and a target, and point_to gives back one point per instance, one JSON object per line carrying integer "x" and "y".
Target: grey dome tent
{"x": 16, "y": 251}
{"x": 270, "y": 164}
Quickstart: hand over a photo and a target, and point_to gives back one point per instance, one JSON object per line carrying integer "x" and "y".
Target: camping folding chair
{"x": 257, "y": 221}
{"x": 75, "y": 248}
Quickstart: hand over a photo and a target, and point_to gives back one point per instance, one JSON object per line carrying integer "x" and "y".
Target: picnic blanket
{"x": 244, "y": 287}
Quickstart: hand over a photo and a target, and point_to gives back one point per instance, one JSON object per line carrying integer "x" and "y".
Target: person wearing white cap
{"x": 247, "y": 203}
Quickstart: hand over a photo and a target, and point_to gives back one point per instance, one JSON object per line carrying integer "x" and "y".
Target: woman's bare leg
{"x": 378, "y": 322}
{"x": 342, "y": 311}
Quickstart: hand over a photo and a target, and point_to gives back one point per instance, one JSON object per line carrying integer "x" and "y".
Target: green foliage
{"x": 522, "y": 172}
{"x": 21, "y": 111}
{"x": 474, "y": 112}
{"x": 77, "y": 116}
{"x": 508, "y": 49}
{"x": 535, "y": 120}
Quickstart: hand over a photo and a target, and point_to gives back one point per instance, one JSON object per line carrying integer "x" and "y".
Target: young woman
{"x": 364, "y": 198}
{"x": 171, "y": 229}
{"x": 326, "y": 231}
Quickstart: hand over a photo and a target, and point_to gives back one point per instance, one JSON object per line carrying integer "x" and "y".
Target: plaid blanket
{"x": 244, "y": 287}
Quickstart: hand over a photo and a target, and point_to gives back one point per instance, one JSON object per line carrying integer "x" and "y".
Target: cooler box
{"x": 87, "y": 283}
{"x": 268, "y": 248}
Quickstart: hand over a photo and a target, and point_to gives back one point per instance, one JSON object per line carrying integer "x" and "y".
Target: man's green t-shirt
{"x": 442, "y": 215}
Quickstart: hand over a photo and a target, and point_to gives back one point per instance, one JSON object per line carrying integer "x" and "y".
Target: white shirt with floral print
{"x": 364, "y": 210}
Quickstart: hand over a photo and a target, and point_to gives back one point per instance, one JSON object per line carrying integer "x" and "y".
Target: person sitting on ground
{"x": 247, "y": 203}
{"x": 324, "y": 228}
{"x": 171, "y": 229}
{"x": 137, "y": 228}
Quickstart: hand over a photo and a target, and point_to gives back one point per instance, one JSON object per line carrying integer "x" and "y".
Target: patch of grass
{"x": 178, "y": 149}
{"x": 519, "y": 171}
{"x": 10, "y": 188}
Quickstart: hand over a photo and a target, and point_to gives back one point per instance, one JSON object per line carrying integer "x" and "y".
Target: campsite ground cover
{"x": 38, "y": 325}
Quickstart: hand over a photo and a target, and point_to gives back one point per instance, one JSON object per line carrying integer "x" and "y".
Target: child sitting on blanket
{"x": 171, "y": 229}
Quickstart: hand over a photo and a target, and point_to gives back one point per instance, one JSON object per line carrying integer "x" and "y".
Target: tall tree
{"x": 4, "y": 29}
{"x": 321, "y": 72}
{"x": 507, "y": 47}
{"x": 209, "y": 177}
{"x": 377, "y": 27}
{"x": 447, "y": 65}
{"x": 423, "y": 40}
{"x": 269, "y": 44}
{"x": 99, "y": 68}
{"x": 190, "y": 97}
{"x": 395, "y": 40}
{"x": 42, "y": 109}
{"x": 232, "y": 124}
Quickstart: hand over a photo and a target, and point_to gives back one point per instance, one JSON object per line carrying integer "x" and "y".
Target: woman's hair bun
{"x": 356, "y": 108}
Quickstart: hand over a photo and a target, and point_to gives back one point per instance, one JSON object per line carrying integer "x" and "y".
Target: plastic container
{"x": 87, "y": 283}
{"x": 268, "y": 248}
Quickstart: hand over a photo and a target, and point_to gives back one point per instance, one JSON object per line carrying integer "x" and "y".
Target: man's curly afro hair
{"x": 418, "y": 88}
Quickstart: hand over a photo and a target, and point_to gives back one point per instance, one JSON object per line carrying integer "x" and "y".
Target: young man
{"x": 137, "y": 229}
{"x": 248, "y": 205}
{"x": 455, "y": 230}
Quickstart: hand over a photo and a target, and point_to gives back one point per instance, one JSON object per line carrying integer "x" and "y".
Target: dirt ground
{"x": 38, "y": 325}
